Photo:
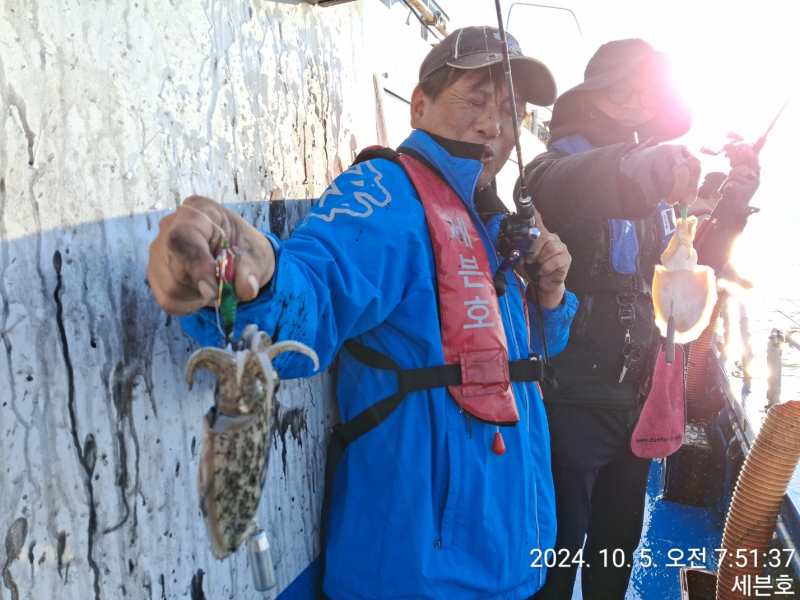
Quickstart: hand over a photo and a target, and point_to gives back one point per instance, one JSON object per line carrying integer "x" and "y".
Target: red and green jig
{"x": 226, "y": 298}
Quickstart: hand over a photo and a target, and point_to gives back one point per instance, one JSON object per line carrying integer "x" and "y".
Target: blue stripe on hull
{"x": 304, "y": 586}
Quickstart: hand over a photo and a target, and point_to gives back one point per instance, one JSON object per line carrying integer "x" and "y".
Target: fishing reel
{"x": 735, "y": 146}
{"x": 730, "y": 149}
{"x": 737, "y": 143}
{"x": 517, "y": 232}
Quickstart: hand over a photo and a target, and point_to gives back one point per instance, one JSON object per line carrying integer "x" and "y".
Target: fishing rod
{"x": 518, "y": 230}
{"x": 524, "y": 205}
{"x": 705, "y": 231}
{"x": 737, "y": 142}
{"x": 733, "y": 149}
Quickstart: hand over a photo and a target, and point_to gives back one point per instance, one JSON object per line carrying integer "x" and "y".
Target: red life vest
{"x": 471, "y": 324}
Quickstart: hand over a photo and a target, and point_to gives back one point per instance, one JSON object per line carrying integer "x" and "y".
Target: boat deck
{"x": 671, "y": 532}
{"x": 677, "y": 535}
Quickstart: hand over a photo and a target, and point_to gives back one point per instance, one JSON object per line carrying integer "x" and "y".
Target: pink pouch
{"x": 659, "y": 430}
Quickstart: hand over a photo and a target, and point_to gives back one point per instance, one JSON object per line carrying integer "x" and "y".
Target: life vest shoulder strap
{"x": 373, "y": 152}
{"x": 392, "y": 155}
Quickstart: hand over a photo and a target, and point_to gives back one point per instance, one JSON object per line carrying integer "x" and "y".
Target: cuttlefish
{"x": 682, "y": 289}
{"x": 236, "y": 434}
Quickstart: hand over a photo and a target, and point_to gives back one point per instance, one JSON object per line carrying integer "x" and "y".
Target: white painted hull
{"x": 110, "y": 113}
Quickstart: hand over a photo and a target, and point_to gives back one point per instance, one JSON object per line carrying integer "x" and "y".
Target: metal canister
{"x": 260, "y": 558}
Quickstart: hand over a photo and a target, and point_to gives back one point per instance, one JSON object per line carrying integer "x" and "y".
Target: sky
{"x": 736, "y": 62}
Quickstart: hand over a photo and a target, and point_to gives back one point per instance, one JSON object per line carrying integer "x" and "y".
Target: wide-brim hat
{"x": 615, "y": 60}
{"x": 478, "y": 47}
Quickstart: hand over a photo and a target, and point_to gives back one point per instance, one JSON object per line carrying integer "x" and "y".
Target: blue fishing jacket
{"x": 422, "y": 508}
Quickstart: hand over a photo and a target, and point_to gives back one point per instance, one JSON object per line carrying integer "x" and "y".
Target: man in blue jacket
{"x": 422, "y": 507}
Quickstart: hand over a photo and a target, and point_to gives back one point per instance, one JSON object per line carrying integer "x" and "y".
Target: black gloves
{"x": 650, "y": 168}
{"x": 739, "y": 190}
{"x": 728, "y": 219}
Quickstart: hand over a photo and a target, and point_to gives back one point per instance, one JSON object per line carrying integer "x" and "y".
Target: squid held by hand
{"x": 682, "y": 289}
{"x": 237, "y": 433}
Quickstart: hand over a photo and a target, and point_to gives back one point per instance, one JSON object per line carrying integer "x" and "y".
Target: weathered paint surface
{"x": 110, "y": 113}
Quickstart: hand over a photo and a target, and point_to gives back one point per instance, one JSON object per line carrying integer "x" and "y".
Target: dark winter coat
{"x": 582, "y": 197}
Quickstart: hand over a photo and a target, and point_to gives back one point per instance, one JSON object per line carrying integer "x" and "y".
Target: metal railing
{"x": 777, "y": 339}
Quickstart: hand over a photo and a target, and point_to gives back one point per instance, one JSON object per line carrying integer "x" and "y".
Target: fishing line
{"x": 491, "y": 77}
{"x": 224, "y": 236}
{"x": 207, "y": 218}
{"x": 788, "y": 317}
{"x": 512, "y": 99}
{"x": 545, "y": 351}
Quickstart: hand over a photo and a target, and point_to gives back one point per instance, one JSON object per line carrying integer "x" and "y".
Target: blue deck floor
{"x": 671, "y": 531}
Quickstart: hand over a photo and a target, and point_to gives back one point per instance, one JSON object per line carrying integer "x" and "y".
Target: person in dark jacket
{"x": 606, "y": 185}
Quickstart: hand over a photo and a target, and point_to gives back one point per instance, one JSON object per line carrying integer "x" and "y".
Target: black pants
{"x": 600, "y": 490}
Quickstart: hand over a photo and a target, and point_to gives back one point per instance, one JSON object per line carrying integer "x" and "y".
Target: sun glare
{"x": 735, "y": 62}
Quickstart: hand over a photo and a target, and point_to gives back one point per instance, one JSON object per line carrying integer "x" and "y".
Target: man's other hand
{"x": 182, "y": 267}
{"x": 553, "y": 260}
{"x": 744, "y": 161}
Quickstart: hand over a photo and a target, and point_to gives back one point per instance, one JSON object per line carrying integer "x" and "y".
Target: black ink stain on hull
{"x": 197, "y": 586}
{"x": 73, "y": 421}
{"x": 61, "y": 545}
{"x": 293, "y": 421}
{"x": 15, "y": 540}
{"x": 277, "y": 218}
{"x": 138, "y": 322}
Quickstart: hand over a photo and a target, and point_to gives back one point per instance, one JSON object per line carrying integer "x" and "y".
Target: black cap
{"x": 478, "y": 47}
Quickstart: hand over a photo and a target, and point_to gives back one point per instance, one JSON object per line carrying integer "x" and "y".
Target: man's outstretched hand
{"x": 182, "y": 267}
{"x": 666, "y": 171}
